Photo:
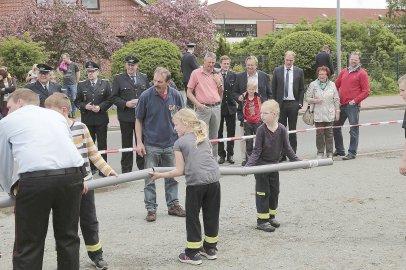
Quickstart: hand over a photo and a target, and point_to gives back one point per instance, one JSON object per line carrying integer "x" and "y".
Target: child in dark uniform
{"x": 194, "y": 159}
{"x": 271, "y": 139}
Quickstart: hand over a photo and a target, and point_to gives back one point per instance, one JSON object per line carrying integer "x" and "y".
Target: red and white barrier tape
{"x": 118, "y": 150}
{"x": 247, "y": 137}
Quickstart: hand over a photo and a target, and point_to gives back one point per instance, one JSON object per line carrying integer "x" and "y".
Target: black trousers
{"x": 266, "y": 195}
{"x": 99, "y": 136}
{"x": 89, "y": 225}
{"x": 207, "y": 198}
{"x": 230, "y": 125}
{"x": 249, "y": 129}
{"x": 127, "y": 135}
{"x": 35, "y": 199}
{"x": 288, "y": 118}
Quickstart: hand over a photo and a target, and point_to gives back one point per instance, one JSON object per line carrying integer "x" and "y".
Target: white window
{"x": 89, "y": 4}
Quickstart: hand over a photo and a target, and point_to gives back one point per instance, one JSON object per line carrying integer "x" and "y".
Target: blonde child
{"x": 81, "y": 137}
{"x": 249, "y": 115}
{"x": 271, "y": 139}
{"x": 194, "y": 159}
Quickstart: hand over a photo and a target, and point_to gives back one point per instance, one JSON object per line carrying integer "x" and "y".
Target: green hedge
{"x": 19, "y": 55}
{"x": 152, "y": 52}
{"x": 306, "y": 45}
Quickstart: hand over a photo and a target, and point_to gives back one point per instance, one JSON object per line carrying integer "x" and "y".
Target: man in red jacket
{"x": 353, "y": 87}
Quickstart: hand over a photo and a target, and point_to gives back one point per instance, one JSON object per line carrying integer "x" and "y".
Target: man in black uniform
{"x": 127, "y": 87}
{"x": 323, "y": 58}
{"x": 228, "y": 110}
{"x": 43, "y": 86}
{"x": 188, "y": 64}
{"x": 93, "y": 101}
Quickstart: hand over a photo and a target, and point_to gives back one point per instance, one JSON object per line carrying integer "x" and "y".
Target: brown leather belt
{"x": 212, "y": 105}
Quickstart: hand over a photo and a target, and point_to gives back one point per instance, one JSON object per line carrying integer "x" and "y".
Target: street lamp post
{"x": 338, "y": 38}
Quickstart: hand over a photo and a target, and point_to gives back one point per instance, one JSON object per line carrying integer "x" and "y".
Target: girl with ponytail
{"x": 194, "y": 159}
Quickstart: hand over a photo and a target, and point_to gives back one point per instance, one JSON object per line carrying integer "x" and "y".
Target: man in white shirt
{"x": 50, "y": 178}
{"x": 288, "y": 90}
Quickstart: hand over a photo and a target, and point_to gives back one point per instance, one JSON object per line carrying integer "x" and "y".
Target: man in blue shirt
{"x": 155, "y": 138}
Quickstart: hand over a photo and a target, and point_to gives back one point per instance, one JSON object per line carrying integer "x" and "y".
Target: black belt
{"x": 288, "y": 100}
{"x": 212, "y": 105}
{"x": 44, "y": 173}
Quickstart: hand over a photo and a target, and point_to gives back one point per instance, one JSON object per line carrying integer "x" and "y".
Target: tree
{"x": 396, "y": 17}
{"x": 152, "y": 52}
{"x": 20, "y": 55}
{"x": 259, "y": 47}
{"x": 306, "y": 44}
{"x": 63, "y": 28}
{"x": 180, "y": 22}
{"x": 223, "y": 47}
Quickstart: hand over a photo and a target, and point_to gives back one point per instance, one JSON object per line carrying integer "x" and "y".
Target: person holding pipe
{"x": 84, "y": 143}
{"x": 271, "y": 140}
{"x": 195, "y": 161}
{"x": 50, "y": 177}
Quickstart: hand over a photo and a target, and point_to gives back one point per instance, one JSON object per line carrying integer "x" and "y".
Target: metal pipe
{"x": 142, "y": 174}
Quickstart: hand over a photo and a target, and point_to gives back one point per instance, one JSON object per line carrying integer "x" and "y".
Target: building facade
{"x": 237, "y": 22}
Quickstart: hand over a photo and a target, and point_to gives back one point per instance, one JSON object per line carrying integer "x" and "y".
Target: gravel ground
{"x": 347, "y": 216}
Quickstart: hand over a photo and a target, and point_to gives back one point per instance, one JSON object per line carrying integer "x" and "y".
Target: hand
{"x": 352, "y": 102}
{"x": 89, "y": 106}
{"x": 96, "y": 109}
{"x": 218, "y": 78}
{"x": 402, "y": 168}
{"x": 113, "y": 173}
{"x": 154, "y": 175}
{"x": 241, "y": 97}
{"x": 201, "y": 107}
{"x": 317, "y": 101}
{"x": 141, "y": 149}
{"x": 85, "y": 188}
{"x": 131, "y": 103}
{"x": 337, "y": 116}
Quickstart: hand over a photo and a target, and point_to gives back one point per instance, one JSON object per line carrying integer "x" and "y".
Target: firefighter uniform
{"x": 126, "y": 88}
{"x": 95, "y": 92}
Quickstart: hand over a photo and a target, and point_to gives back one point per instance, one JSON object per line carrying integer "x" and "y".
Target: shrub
{"x": 20, "y": 55}
{"x": 306, "y": 45}
{"x": 152, "y": 52}
{"x": 238, "y": 68}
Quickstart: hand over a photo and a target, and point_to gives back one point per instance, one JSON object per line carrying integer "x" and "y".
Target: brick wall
{"x": 118, "y": 13}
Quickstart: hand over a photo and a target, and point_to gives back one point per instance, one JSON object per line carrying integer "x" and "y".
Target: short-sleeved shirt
{"x": 69, "y": 76}
{"x": 201, "y": 167}
{"x": 204, "y": 86}
{"x": 156, "y": 114}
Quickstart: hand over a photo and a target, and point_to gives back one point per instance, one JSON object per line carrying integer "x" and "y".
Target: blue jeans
{"x": 162, "y": 157}
{"x": 71, "y": 90}
{"x": 352, "y": 113}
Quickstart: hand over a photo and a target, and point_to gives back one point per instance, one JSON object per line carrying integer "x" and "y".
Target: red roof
{"x": 289, "y": 15}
